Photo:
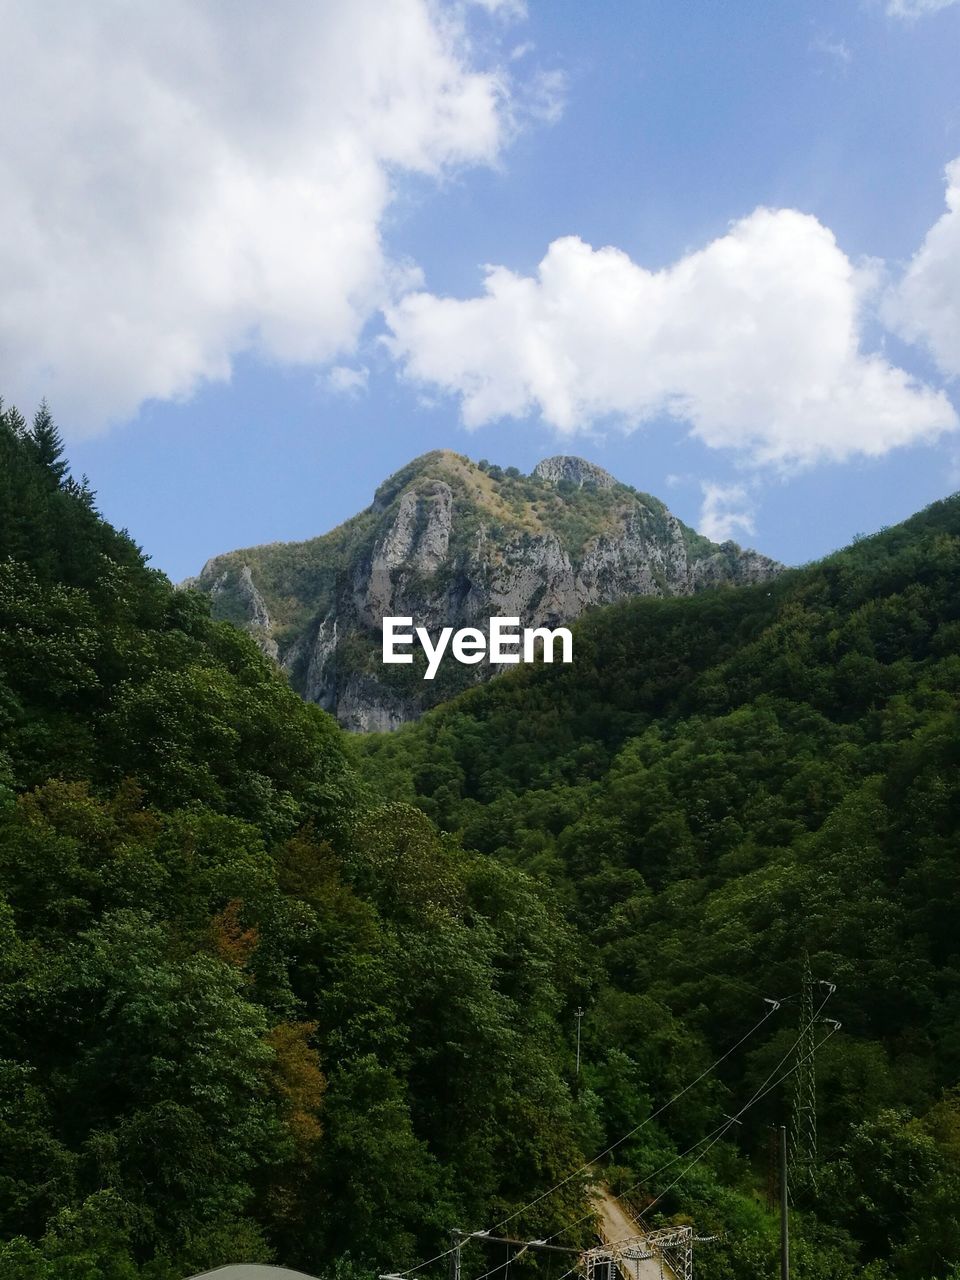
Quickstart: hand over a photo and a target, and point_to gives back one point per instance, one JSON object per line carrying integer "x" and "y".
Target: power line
{"x": 712, "y": 1138}
{"x": 728, "y": 1122}
{"x": 774, "y": 1005}
{"x": 505, "y": 1264}
{"x": 762, "y": 1092}
{"x": 728, "y": 1125}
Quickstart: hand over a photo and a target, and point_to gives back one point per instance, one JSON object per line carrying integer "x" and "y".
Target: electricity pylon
{"x": 804, "y": 1144}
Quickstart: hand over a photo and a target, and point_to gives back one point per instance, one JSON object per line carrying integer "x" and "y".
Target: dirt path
{"x": 617, "y": 1226}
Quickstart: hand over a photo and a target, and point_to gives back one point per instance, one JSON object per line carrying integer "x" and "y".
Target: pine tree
{"x": 16, "y": 422}
{"x": 82, "y": 491}
{"x": 48, "y": 443}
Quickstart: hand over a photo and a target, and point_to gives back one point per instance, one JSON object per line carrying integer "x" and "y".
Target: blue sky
{"x": 679, "y": 362}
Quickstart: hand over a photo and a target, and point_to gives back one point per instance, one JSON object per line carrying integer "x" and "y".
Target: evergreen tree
{"x": 16, "y": 422}
{"x": 48, "y": 443}
{"x": 82, "y": 491}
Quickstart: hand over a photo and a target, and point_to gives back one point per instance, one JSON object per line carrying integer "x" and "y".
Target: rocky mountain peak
{"x": 575, "y": 471}
{"x": 451, "y": 542}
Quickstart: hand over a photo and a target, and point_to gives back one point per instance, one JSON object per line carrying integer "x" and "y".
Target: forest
{"x": 269, "y": 992}
{"x": 722, "y": 794}
{"x": 248, "y": 1010}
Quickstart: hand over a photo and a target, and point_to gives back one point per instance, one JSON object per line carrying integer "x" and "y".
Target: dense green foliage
{"x": 714, "y": 788}
{"x": 253, "y": 1006}
{"x": 246, "y": 1011}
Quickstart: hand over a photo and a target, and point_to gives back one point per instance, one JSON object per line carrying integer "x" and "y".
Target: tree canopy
{"x": 270, "y": 993}
{"x": 716, "y": 789}
{"x": 247, "y": 1010}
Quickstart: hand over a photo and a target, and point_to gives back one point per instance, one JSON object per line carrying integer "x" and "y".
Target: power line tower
{"x": 804, "y": 1145}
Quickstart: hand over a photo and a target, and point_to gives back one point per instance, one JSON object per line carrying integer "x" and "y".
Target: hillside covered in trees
{"x": 269, "y": 992}
{"x": 715, "y": 790}
{"x": 246, "y": 1011}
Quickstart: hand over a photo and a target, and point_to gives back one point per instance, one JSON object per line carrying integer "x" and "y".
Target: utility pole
{"x": 773, "y": 1160}
{"x": 579, "y": 1017}
{"x": 784, "y": 1209}
{"x": 456, "y": 1239}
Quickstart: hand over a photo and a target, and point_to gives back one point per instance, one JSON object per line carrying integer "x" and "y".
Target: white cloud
{"x": 185, "y": 181}
{"x": 507, "y": 8}
{"x": 925, "y": 307}
{"x": 754, "y": 341}
{"x": 725, "y": 512}
{"x": 916, "y": 8}
{"x": 837, "y": 50}
{"x": 545, "y": 96}
{"x": 347, "y": 381}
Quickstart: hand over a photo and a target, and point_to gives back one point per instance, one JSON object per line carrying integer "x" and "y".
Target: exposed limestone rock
{"x": 420, "y": 534}
{"x": 241, "y": 587}
{"x": 364, "y": 706}
{"x": 259, "y": 615}
{"x": 451, "y": 543}
{"x": 576, "y": 471}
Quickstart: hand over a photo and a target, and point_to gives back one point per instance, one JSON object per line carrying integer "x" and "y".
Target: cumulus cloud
{"x": 754, "y": 341}
{"x": 344, "y": 380}
{"x": 916, "y": 8}
{"x": 186, "y": 181}
{"x": 926, "y": 305}
{"x": 726, "y": 512}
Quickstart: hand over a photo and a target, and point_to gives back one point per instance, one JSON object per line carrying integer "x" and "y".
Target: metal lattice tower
{"x": 670, "y": 1247}
{"x": 804, "y": 1136}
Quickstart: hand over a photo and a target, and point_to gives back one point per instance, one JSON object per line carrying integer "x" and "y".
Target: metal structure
{"x": 627, "y": 1249}
{"x": 784, "y": 1208}
{"x": 671, "y": 1248}
{"x": 803, "y": 1161}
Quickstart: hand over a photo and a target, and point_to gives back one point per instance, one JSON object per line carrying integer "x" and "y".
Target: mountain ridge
{"x": 452, "y": 542}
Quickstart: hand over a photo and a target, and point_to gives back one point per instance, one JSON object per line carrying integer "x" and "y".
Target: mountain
{"x": 450, "y": 542}
{"x": 728, "y": 793}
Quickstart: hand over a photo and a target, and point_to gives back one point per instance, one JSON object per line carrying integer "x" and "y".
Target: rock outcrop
{"x": 452, "y": 543}
{"x": 575, "y": 471}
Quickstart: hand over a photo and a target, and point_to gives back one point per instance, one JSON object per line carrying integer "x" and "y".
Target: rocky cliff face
{"x": 452, "y": 543}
